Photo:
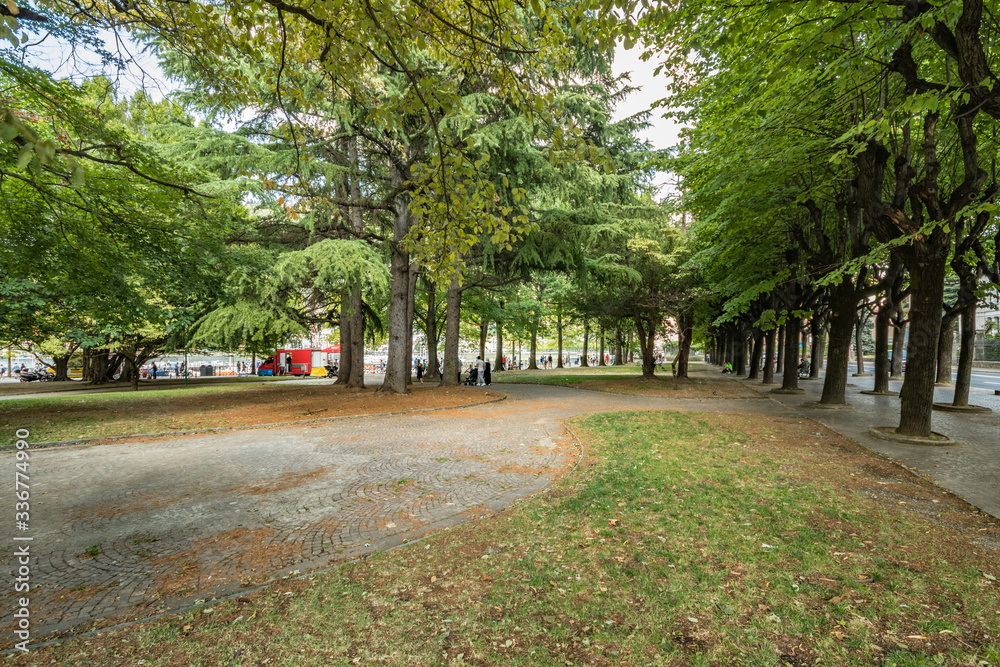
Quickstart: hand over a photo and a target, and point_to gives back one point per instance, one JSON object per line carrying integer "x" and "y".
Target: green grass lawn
{"x": 572, "y": 376}
{"x": 681, "y": 539}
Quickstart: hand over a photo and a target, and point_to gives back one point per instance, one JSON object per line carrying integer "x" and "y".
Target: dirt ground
{"x": 266, "y": 404}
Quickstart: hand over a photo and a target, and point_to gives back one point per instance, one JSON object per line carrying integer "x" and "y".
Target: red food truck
{"x": 300, "y": 362}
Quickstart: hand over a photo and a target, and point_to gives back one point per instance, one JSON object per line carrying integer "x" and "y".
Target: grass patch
{"x": 681, "y": 539}
{"x": 628, "y": 380}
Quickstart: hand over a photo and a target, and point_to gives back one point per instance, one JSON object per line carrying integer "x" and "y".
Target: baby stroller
{"x": 473, "y": 376}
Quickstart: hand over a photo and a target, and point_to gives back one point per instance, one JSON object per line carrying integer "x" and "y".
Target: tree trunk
{"x": 498, "y": 359}
{"x": 619, "y": 345}
{"x": 967, "y": 348}
{"x": 584, "y": 362}
{"x": 453, "y": 314}
{"x": 533, "y": 360}
{"x": 344, "y": 372}
{"x": 758, "y": 339}
{"x": 945, "y": 355}
{"x": 684, "y": 344}
{"x": 769, "y": 338}
{"x": 859, "y": 349}
{"x": 356, "y": 370}
{"x": 396, "y": 371}
{"x": 898, "y": 339}
{"x": 559, "y": 332}
{"x": 116, "y": 364}
{"x": 430, "y": 331}
{"x": 843, "y": 313}
{"x": 484, "y": 332}
{"x": 61, "y": 367}
{"x": 916, "y": 398}
{"x": 882, "y": 348}
{"x": 411, "y": 312}
{"x": 600, "y": 359}
{"x": 790, "y": 376}
{"x": 741, "y": 353}
{"x": 781, "y": 350}
{"x": 646, "y": 332}
{"x": 816, "y": 349}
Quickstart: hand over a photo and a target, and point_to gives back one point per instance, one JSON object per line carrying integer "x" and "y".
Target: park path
{"x": 126, "y": 530}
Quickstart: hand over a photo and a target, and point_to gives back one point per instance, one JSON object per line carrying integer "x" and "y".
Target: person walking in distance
{"x": 480, "y": 372}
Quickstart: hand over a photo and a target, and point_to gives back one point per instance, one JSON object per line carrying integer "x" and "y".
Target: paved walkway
{"x": 970, "y": 469}
{"x": 126, "y": 530}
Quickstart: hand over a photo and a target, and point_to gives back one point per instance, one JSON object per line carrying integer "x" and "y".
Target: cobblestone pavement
{"x": 126, "y": 530}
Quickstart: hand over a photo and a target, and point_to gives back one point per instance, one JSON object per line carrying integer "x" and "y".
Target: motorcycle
{"x": 41, "y": 375}
{"x": 331, "y": 371}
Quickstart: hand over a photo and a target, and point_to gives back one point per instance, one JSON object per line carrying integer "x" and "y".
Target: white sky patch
{"x": 663, "y": 132}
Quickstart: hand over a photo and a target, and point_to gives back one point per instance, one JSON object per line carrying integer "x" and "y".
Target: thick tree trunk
{"x": 882, "y": 348}
{"x": 758, "y": 339}
{"x": 619, "y": 345}
{"x": 843, "y": 313}
{"x": 916, "y": 398}
{"x": 967, "y": 348}
{"x": 646, "y": 333}
{"x": 769, "y": 338}
{"x": 484, "y": 332}
{"x": 344, "y": 371}
{"x": 431, "y": 332}
{"x": 61, "y": 367}
{"x": 584, "y": 362}
{"x": 600, "y": 356}
{"x": 453, "y": 315}
{"x": 790, "y": 375}
{"x": 396, "y": 371}
{"x": 817, "y": 347}
{"x": 945, "y": 355}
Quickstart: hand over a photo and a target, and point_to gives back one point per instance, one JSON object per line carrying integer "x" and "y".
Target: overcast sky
{"x": 663, "y": 133}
